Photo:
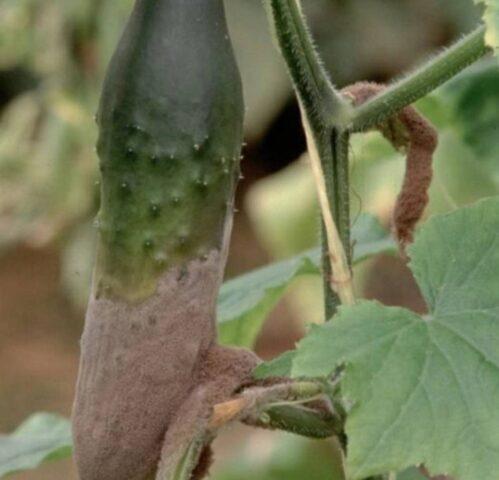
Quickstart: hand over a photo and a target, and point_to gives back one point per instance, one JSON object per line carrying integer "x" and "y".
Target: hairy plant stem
{"x": 323, "y": 153}
{"x": 328, "y": 148}
{"x": 335, "y": 171}
{"x": 419, "y": 83}
{"x": 320, "y": 99}
{"x": 340, "y": 188}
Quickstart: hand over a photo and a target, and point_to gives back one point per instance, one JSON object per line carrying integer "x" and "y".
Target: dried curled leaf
{"x": 408, "y": 131}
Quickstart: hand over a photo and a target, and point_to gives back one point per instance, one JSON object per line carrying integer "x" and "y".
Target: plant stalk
{"x": 321, "y": 153}
{"x": 312, "y": 84}
{"x": 419, "y": 83}
{"x": 319, "y": 100}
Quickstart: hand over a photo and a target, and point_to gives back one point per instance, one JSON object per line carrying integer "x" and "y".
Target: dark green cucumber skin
{"x": 170, "y": 122}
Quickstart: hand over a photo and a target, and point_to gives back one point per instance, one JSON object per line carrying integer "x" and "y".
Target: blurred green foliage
{"x": 288, "y": 457}
{"x": 40, "y": 438}
{"x": 47, "y": 167}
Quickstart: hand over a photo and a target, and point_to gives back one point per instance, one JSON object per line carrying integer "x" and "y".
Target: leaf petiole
{"x": 419, "y": 83}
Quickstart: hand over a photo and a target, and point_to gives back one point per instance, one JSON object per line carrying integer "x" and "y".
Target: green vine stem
{"x": 340, "y": 144}
{"x": 416, "y": 85}
{"x": 322, "y": 152}
{"x": 319, "y": 100}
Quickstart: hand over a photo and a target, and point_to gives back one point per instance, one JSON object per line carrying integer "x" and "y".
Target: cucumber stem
{"x": 310, "y": 79}
{"x": 341, "y": 277}
{"x": 319, "y": 100}
{"x": 419, "y": 83}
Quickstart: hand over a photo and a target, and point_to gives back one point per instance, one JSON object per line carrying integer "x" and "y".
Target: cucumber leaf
{"x": 245, "y": 301}
{"x": 42, "y": 437}
{"x": 423, "y": 389}
{"x": 277, "y": 367}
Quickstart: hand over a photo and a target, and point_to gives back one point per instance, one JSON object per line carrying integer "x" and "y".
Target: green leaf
{"x": 491, "y": 18}
{"x": 40, "y": 438}
{"x": 424, "y": 389}
{"x": 278, "y": 367}
{"x": 245, "y": 301}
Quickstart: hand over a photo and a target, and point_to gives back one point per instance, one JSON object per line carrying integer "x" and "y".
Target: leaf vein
{"x": 399, "y": 415}
{"x": 468, "y": 343}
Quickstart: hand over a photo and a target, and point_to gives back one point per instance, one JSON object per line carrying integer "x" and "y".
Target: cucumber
{"x": 170, "y": 122}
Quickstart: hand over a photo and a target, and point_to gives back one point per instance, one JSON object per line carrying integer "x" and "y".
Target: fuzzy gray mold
{"x": 140, "y": 363}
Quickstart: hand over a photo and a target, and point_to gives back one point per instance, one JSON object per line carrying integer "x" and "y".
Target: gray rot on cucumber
{"x": 170, "y": 134}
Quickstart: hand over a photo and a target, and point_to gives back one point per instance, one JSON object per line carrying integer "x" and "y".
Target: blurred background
{"x": 53, "y": 57}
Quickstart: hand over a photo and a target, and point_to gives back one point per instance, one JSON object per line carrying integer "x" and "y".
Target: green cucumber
{"x": 170, "y": 123}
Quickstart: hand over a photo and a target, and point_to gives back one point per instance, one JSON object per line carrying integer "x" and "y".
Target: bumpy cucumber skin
{"x": 170, "y": 122}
